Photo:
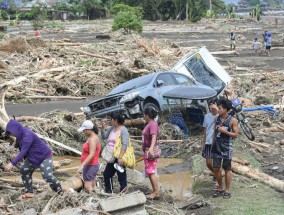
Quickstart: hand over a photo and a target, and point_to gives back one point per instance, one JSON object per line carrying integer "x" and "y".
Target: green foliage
{"x": 138, "y": 11}
{"x": 256, "y": 13}
{"x": 90, "y": 5}
{"x": 55, "y": 25}
{"x": 167, "y": 9}
{"x": 3, "y": 15}
{"x": 127, "y": 21}
{"x": 74, "y": 7}
{"x": 231, "y": 11}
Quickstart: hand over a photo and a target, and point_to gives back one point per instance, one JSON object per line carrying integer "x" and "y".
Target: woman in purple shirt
{"x": 149, "y": 141}
{"x": 36, "y": 153}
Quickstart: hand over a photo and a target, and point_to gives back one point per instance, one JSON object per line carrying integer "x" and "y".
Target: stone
{"x": 133, "y": 203}
{"x": 275, "y": 167}
{"x": 30, "y": 211}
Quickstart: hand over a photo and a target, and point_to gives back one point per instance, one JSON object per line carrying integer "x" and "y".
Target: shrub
{"x": 138, "y": 11}
{"x": 128, "y": 21}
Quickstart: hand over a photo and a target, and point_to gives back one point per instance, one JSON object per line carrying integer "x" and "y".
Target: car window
{"x": 202, "y": 73}
{"x": 183, "y": 80}
{"x": 167, "y": 79}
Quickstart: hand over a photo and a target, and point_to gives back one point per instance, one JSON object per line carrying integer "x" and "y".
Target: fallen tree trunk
{"x": 133, "y": 122}
{"x": 241, "y": 161}
{"x": 31, "y": 118}
{"x": 60, "y": 144}
{"x": 256, "y": 174}
{"x": 4, "y": 118}
{"x": 272, "y": 129}
{"x": 60, "y": 163}
{"x": 17, "y": 182}
{"x": 44, "y": 71}
{"x": 259, "y": 148}
{"x": 56, "y": 97}
{"x": 265, "y": 145}
{"x": 74, "y": 183}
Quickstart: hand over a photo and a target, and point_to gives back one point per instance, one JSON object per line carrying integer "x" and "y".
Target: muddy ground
{"x": 257, "y": 79}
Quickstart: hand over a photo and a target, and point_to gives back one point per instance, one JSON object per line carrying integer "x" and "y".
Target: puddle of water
{"x": 174, "y": 177}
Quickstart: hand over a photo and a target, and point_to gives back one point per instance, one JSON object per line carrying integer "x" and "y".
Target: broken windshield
{"x": 203, "y": 74}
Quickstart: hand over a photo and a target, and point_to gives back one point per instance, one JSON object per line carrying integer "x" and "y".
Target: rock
{"x": 282, "y": 142}
{"x": 193, "y": 203}
{"x": 30, "y": 211}
{"x": 275, "y": 167}
{"x": 133, "y": 203}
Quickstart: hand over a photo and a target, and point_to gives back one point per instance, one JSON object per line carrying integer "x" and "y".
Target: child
{"x": 255, "y": 45}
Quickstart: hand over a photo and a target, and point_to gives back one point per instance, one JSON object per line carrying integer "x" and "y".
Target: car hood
{"x": 205, "y": 69}
{"x": 192, "y": 93}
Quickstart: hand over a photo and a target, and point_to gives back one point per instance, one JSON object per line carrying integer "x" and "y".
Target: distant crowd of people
{"x": 265, "y": 46}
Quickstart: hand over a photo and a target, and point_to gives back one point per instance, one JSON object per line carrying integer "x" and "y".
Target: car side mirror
{"x": 160, "y": 83}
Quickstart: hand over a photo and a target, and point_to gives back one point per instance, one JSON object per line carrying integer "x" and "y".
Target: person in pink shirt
{"x": 149, "y": 141}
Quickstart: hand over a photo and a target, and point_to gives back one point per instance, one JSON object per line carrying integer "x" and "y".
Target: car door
{"x": 163, "y": 83}
{"x": 204, "y": 68}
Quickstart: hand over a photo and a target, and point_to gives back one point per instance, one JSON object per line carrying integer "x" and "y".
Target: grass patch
{"x": 246, "y": 200}
{"x": 243, "y": 153}
{"x": 88, "y": 63}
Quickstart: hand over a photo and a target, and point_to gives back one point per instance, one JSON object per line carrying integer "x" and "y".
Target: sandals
{"x": 25, "y": 197}
{"x": 226, "y": 195}
{"x": 218, "y": 193}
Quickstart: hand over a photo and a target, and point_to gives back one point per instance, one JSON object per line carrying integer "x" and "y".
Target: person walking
{"x": 226, "y": 129}
{"x": 117, "y": 129}
{"x": 233, "y": 41}
{"x": 268, "y": 44}
{"x": 90, "y": 155}
{"x": 208, "y": 125}
{"x": 255, "y": 45}
{"x": 264, "y": 35}
{"x": 36, "y": 153}
{"x": 149, "y": 143}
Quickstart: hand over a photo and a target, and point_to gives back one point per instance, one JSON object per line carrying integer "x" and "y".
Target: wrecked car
{"x": 198, "y": 70}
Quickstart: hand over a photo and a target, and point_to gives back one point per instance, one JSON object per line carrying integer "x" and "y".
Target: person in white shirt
{"x": 208, "y": 125}
{"x": 255, "y": 45}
